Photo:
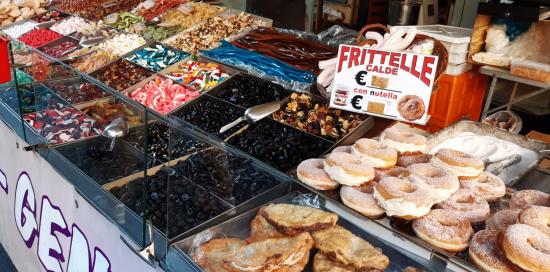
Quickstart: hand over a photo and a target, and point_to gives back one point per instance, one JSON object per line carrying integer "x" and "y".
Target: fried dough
{"x": 298, "y": 267}
{"x": 340, "y": 245}
{"x": 209, "y": 255}
{"x": 260, "y": 229}
{"x": 268, "y": 255}
{"x": 294, "y": 219}
{"x": 322, "y": 264}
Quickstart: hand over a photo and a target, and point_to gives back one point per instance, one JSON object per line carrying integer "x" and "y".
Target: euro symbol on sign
{"x": 361, "y": 78}
{"x": 356, "y": 102}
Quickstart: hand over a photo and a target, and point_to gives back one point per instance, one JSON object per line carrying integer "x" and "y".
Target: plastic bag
{"x": 506, "y": 120}
{"x": 333, "y": 36}
{"x": 496, "y": 41}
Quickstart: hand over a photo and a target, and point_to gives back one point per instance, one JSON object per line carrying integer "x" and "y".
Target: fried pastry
{"x": 340, "y": 245}
{"x": 276, "y": 254}
{"x": 210, "y": 254}
{"x": 260, "y": 229}
{"x": 322, "y": 264}
{"x": 294, "y": 219}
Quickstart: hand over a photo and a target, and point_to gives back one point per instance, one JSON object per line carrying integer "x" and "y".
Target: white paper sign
{"x": 388, "y": 84}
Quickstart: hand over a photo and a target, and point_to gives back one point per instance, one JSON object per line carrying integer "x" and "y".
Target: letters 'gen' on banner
{"x": 387, "y": 84}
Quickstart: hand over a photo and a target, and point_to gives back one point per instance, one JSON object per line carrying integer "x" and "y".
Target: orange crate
{"x": 457, "y": 97}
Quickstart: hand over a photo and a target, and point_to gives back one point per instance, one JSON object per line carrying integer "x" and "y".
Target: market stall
{"x": 132, "y": 143}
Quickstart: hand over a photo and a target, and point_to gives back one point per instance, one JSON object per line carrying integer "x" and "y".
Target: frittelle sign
{"x": 395, "y": 85}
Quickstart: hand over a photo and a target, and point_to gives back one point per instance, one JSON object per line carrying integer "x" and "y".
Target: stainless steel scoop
{"x": 117, "y": 128}
{"x": 254, "y": 114}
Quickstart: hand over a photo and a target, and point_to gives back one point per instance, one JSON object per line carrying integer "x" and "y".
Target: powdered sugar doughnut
{"x": 441, "y": 183}
{"x": 402, "y": 198}
{"x": 406, "y": 143}
{"x": 377, "y": 154}
{"x": 459, "y": 163}
{"x": 502, "y": 219}
{"x": 360, "y": 198}
{"x": 408, "y": 160}
{"x": 344, "y": 148}
{"x": 537, "y": 217}
{"x": 486, "y": 253}
{"x": 347, "y": 169}
{"x": 444, "y": 229}
{"x": 467, "y": 204}
{"x": 398, "y": 172}
{"x": 526, "y": 198}
{"x": 311, "y": 173}
{"x": 527, "y": 247}
{"x": 486, "y": 186}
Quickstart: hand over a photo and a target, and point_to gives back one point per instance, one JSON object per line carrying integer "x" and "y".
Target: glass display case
{"x": 138, "y": 135}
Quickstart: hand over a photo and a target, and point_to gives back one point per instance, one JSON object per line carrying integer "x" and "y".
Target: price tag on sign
{"x": 388, "y": 84}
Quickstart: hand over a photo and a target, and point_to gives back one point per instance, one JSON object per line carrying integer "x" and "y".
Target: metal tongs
{"x": 254, "y": 114}
{"x": 496, "y": 167}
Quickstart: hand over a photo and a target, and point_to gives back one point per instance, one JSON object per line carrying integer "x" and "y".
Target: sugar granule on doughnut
{"x": 311, "y": 173}
{"x": 526, "y": 198}
{"x": 440, "y": 182}
{"x": 408, "y": 160}
{"x": 537, "y": 217}
{"x": 486, "y": 186}
{"x": 401, "y": 198}
{"x": 467, "y": 204}
{"x": 486, "y": 253}
{"x": 406, "y": 143}
{"x": 361, "y": 199}
{"x": 398, "y": 172}
{"x": 527, "y": 247}
{"x": 459, "y": 163}
{"x": 502, "y": 219}
{"x": 347, "y": 169}
{"x": 444, "y": 229}
{"x": 344, "y": 148}
{"x": 374, "y": 153}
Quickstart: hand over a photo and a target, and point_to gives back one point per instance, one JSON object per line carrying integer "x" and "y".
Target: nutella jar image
{"x": 341, "y": 98}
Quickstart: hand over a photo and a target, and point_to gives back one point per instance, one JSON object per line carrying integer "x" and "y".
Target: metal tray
{"x": 240, "y": 227}
{"x": 402, "y": 229}
{"x": 483, "y": 129}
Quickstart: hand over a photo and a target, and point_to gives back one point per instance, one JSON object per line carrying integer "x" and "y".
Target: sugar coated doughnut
{"x": 444, "y": 229}
{"x": 360, "y": 198}
{"x": 486, "y": 253}
{"x": 376, "y": 154}
{"x": 459, "y": 163}
{"x": 408, "y": 160}
{"x": 537, "y": 217}
{"x": 527, "y": 247}
{"x": 398, "y": 172}
{"x": 402, "y": 198}
{"x": 348, "y": 169}
{"x": 311, "y": 173}
{"x": 486, "y": 186}
{"x": 502, "y": 219}
{"x": 467, "y": 204}
{"x": 403, "y": 141}
{"x": 344, "y": 148}
{"x": 441, "y": 183}
{"x": 526, "y": 198}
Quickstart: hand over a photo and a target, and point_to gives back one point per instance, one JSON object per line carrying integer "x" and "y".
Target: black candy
{"x": 93, "y": 158}
{"x": 174, "y": 204}
{"x": 248, "y": 91}
{"x": 211, "y": 114}
{"x": 278, "y": 145}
